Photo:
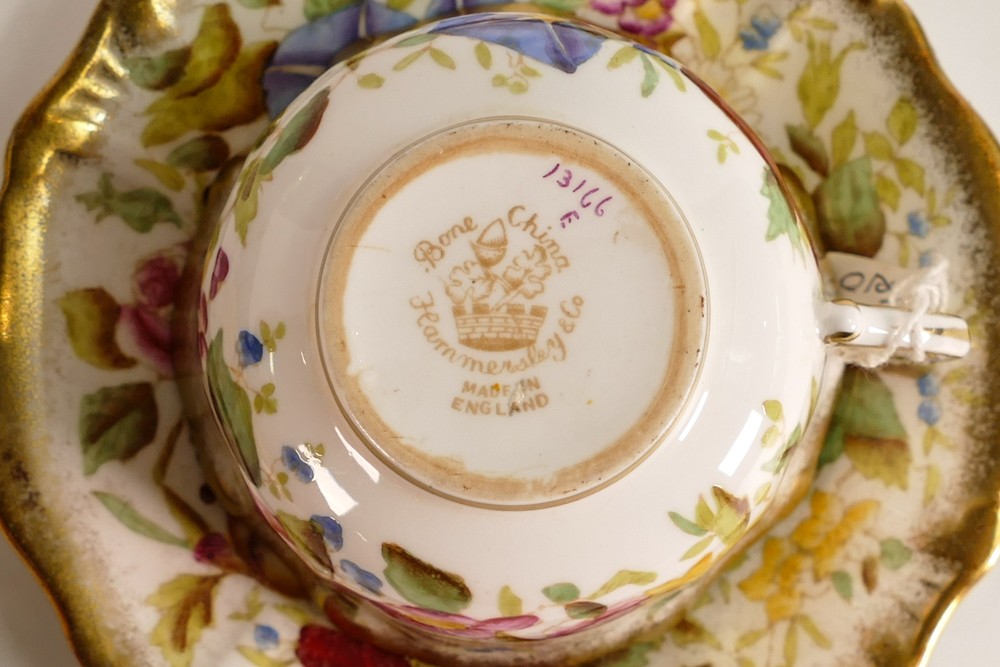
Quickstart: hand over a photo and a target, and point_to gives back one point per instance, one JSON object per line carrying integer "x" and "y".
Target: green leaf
{"x": 315, "y": 9}
{"x": 259, "y": 4}
{"x": 414, "y": 40}
{"x": 168, "y": 177}
{"x": 235, "y": 99}
{"x": 136, "y": 522}
{"x": 508, "y": 603}
{"x": 158, "y": 72}
{"x": 232, "y": 405}
{"x": 91, "y": 317}
{"x": 866, "y": 426}
{"x": 623, "y": 578}
{"x": 442, "y": 58}
{"x": 748, "y": 639}
{"x": 650, "y": 76}
{"x": 141, "y": 209}
{"x": 672, "y": 73}
{"x": 848, "y": 209}
{"x": 878, "y": 146}
{"x": 771, "y": 436}
{"x": 297, "y": 133}
{"x": 808, "y": 146}
{"x": 843, "y": 584}
{"x": 791, "y": 651}
{"x": 903, "y": 120}
{"x": 253, "y": 607}
{"x": 213, "y": 51}
{"x": 819, "y": 85}
{"x": 707, "y": 35}
{"x": 408, "y": 60}
{"x": 698, "y": 547}
{"x": 932, "y": 484}
{"x": 247, "y": 194}
{"x": 254, "y": 655}
{"x": 116, "y": 423}
{"x": 207, "y": 152}
{"x": 561, "y": 593}
{"x": 894, "y": 553}
{"x": 517, "y": 87}
{"x": 186, "y": 606}
{"x": 703, "y": 514}
{"x": 888, "y": 192}
{"x": 371, "y": 81}
{"x": 910, "y": 174}
{"x": 688, "y": 526}
{"x": 773, "y": 410}
{"x": 623, "y": 56}
{"x": 295, "y": 611}
{"x": 807, "y": 624}
{"x": 423, "y": 584}
{"x": 483, "y": 55}
{"x": 584, "y": 609}
{"x": 781, "y": 219}
{"x": 845, "y": 135}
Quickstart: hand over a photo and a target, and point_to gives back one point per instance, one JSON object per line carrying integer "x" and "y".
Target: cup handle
{"x": 875, "y": 335}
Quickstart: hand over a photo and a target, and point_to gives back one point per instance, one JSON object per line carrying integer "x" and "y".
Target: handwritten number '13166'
{"x": 587, "y": 199}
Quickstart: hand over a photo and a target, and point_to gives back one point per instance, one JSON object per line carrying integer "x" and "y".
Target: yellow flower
{"x": 828, "y": 528}
{"x": 776, "y": 581}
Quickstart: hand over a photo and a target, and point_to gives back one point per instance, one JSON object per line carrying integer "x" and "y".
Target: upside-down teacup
{"x": 516, "y": 337}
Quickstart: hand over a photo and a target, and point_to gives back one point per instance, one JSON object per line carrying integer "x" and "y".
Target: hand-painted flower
{"x": 763, "y": 25}
{"x": 918, "y": 224}
{"x": 333, "y": 532}
{"x": 147, "y": 331}
{"x": 155, "y": 281}
{"x": 361, "y": 576}
{"x": 265, "y": 636}
{"x": 641, "y": 17}
{"x": 296, "y": 464}
{"x": 249, "y": 349}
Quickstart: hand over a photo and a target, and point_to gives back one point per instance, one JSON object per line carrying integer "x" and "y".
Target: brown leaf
{"x": 869, "y": 573}
{"x": 885, "y": 459}
{"x": 186, "y": 606}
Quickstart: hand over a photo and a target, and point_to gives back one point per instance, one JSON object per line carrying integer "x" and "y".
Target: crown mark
{"x": 489, "y": 303}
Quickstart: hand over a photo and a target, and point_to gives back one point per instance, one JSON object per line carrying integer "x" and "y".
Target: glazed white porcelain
{"x": 513, "y": 329}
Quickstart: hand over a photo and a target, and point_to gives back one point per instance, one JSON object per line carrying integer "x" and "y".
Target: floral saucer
{"x": 106, "y": 183}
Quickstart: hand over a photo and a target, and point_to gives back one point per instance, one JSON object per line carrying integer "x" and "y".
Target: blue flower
{"x": 929, "y": 411}
{"x": 265, "y": 636}
{"x": 919, "y": 226}
{"x": 330, "y": 528}
{"x": 296, "y": 464}
{"x": 928, "y": 385}
{"x": 249, "y": 348}
{"x": 763, "y": 26}
{"x": 361, "y": 576}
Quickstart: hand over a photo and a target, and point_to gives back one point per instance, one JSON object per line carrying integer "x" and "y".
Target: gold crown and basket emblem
{"x": 489, "y": 305}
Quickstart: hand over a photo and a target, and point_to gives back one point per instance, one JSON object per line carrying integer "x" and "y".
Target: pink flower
{"x": 155, "y": 281}
{"x": 144, "y": 326}
{"x": 641, "y": 17}
{"x": 147, "y": 332}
